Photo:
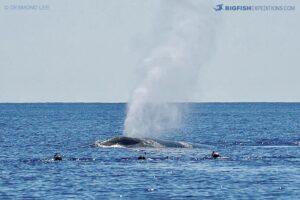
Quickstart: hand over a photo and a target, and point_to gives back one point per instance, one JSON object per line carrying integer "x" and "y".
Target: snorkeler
{"x": 215, "y": 154}
{"x": 57, "y": 157}
{"x": 141, "y": 157}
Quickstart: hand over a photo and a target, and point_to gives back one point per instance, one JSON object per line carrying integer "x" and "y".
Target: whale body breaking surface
{"x": 131, "y": 142}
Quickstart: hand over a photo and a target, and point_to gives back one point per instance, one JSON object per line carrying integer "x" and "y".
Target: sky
{"x": 91, "y": 51}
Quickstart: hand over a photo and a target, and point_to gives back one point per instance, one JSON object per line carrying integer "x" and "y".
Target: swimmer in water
{"x": 57, "y": 157}
{"x": 141, "y": 157}
{"x": 215, "y": 154}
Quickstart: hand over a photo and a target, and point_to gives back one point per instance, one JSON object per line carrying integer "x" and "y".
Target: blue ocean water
{"x": 259, "y": 144}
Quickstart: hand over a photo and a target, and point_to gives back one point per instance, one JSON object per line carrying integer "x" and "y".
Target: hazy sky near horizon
{"x": 79, "y": 51}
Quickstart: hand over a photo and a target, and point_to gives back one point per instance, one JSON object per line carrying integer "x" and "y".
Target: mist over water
{"x": 184, "y": 42}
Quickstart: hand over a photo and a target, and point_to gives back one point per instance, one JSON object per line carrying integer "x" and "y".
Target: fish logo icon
{"x": 219, "y": 7}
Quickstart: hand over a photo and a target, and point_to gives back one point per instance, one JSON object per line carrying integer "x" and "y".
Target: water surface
{"x": 261, "y": 143}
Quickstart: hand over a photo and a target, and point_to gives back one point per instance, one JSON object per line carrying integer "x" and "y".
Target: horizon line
{"x": 124, "y": 102}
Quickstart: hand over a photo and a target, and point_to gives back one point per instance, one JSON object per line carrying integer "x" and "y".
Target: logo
{"x": 218, "y": 7}
{"x": 250, "y": 8}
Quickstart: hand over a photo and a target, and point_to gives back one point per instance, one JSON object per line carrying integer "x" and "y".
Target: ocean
{"x": 259, "y": 144}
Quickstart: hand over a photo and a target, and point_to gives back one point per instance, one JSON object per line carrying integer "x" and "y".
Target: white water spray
{"x": 171, "y": 69}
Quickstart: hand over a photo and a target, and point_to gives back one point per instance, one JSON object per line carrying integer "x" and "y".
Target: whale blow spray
{"x": 184, "y": 43}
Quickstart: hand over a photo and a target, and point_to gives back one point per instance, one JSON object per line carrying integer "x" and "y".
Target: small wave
{"x": 297, "y": 143}
{"x": 98, "y": 144}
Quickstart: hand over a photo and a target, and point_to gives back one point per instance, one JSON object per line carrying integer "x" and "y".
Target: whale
{"x": 132, "y": 142}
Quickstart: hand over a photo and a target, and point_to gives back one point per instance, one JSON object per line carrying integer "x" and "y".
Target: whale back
{"x": 130, "y": 142}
